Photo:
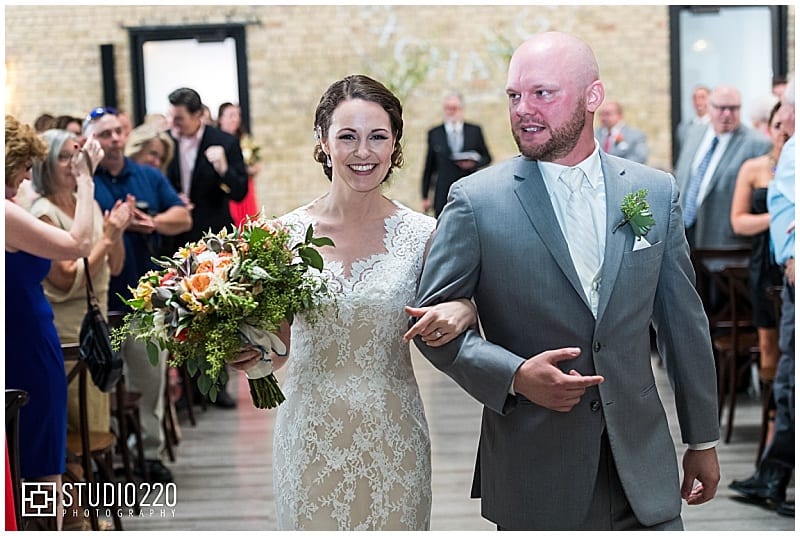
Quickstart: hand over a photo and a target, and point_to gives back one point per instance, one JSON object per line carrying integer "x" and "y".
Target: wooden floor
{"x": 223, "y": 469}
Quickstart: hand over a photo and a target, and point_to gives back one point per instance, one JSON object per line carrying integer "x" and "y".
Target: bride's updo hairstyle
{"x": 357, "y": 86}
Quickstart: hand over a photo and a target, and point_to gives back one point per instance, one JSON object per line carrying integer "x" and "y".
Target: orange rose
{"x": 199, "y": 283}
{"x": 205, "y": 266}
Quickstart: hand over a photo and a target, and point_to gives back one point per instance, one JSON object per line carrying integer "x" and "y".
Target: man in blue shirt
{"x": 157, "y": 211}
{"x": 774, "y": 472}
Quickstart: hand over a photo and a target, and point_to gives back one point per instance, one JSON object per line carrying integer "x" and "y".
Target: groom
{"x": 574, "y": 435}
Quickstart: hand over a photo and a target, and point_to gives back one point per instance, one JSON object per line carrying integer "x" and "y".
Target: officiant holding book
{"x": 455, "y": 149}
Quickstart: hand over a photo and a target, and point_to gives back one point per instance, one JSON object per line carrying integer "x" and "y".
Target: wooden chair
{"x": 86, "y": 446}
{"x": 15, "y": 399}
{"x": 711, "y": 284}
{"x": 736, "y": 348}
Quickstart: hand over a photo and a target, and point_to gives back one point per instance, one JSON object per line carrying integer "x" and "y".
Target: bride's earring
{"x": 328, "y": 161}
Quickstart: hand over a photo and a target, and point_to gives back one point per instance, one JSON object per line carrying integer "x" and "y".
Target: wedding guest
{"x": 351, "y": 445}
{"x": 760, "y": 112}
{"x": 701, "y": 115}
{"x": 34, "y": 362}
{"x": 149, "y": 146}
{"x": 455, "y": 149}
{"x": 44, "y": 122}
{"x": 208, "y": 171}
{"x": 229, "y": 120}
{"x": 774, "y": 472}
{"x": 157, "y": 212}
{"x": 749, "y": 217}
{"x": 707, "y": 167}
{"x": 65, "y": 285}
{"x": 574, "y": 434}
{"x": 71, "y": 124}
{"x": 617, "y": 137}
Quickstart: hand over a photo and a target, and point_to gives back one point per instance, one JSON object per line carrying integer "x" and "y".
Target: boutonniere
{"x": 618, "y": 138}
{"x": 636, "y": 213}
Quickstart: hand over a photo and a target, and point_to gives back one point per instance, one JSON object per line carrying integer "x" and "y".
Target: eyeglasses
{"x": 100, "y": 111}
{"x": 732, "y": 108}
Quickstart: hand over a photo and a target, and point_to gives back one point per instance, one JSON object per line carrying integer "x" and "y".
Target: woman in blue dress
{"x": 34, "y": 361}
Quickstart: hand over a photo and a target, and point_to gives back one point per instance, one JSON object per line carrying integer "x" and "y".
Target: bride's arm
{"x": 441, "y": 323}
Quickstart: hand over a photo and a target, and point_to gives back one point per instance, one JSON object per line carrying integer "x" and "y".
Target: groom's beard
{"x": 561, "y": 141}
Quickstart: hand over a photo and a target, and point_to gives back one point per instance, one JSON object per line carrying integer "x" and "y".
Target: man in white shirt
{"x": 566, "y": 285}
{"x": 707, "y": 168}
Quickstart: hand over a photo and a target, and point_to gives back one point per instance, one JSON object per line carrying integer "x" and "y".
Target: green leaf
{"x": 191, "y": 366}
{"x": 322, "y": 241}
{"x": 152, "y": 352}
{"x": 204, "y": 383}
{"x": 311, "y": 257}
{"x": 309, "y": 233}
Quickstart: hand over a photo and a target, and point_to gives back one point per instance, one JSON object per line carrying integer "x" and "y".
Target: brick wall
{"x": 294, "y": 52}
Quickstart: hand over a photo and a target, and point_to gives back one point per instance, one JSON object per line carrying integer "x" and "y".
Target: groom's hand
{"x": 541, "y": 381}
{"x": 703, "y": 466}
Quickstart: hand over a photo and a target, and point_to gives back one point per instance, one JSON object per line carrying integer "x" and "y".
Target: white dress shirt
{"x": 188, "y": 147}
{"x": 702, "y": 149}
{"x": 596, "y": 195}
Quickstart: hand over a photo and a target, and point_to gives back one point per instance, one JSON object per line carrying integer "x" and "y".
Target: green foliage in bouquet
{"x": 196, "y": 304}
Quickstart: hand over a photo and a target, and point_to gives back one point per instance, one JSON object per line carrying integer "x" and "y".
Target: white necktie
{"x": 580, "y": 233}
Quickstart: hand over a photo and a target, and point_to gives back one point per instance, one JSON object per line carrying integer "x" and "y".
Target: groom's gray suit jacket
{"x": 498, "y": 240}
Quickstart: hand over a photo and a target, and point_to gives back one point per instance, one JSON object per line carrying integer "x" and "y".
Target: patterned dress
{"x": 351, "y": 444}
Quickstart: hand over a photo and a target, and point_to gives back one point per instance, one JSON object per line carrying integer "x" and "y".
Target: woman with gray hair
{"x": 65, "y": 284}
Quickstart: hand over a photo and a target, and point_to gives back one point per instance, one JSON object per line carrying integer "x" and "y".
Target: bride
{"x": 351, "y": 444}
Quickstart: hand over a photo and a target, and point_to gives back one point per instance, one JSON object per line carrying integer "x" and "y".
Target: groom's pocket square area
{"x": 640, "y": 243}
{"x": 650, "y": 253}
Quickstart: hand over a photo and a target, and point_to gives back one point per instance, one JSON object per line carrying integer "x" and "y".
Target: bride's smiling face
{"x": 360, "y": 144}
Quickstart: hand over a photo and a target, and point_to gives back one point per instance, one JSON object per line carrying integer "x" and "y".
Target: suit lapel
{"x": 535, "y": 200}
{"x": 733, "y": 148}
{"x": 618, "y": 184}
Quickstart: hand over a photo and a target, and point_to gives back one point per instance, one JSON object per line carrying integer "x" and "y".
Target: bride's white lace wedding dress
{"x": 351, "y": 444}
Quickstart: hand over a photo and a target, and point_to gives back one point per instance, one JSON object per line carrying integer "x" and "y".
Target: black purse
{"x": 104, "y": 364}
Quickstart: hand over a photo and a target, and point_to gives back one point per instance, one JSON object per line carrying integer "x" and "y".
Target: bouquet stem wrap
{"x": 264, "y": 388}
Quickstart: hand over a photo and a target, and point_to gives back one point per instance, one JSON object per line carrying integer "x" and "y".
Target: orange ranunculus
{"x": 224, "y": 263}
{"x": 199, "y": 249}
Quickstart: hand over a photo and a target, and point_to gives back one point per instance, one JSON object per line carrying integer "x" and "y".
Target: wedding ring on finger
{"x": 437, "y": 334}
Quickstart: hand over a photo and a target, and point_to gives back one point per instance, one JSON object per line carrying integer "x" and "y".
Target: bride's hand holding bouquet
{"x": 228, "y": 292}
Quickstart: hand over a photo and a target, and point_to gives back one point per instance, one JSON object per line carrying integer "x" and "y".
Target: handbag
{"x": 104, "y": 364}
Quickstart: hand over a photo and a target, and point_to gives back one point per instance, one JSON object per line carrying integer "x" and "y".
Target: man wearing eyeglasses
{"x": 707, "y": 167}
{"x": 158, "y": 212}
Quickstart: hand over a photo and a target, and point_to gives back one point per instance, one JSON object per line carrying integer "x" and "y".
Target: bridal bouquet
{"x": 226, "y": 290}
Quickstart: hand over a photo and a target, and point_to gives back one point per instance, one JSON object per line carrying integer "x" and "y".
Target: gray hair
{"x": 44, "y": 170}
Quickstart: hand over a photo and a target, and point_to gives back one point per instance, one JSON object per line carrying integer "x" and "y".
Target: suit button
{"x": 596, "y": 346}
{"x": 595, "y": 405}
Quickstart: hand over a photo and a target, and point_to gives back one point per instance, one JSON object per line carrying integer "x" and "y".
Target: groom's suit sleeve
{"x": 683, "y": 337}
{"x": 452, "y": 271}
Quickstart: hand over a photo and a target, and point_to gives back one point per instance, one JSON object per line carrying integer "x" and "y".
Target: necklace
{"x": 773, "y": 164}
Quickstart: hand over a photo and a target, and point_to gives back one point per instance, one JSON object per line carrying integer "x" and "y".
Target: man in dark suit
{"x": 707, "y": 168}
{"x": 208, "y": 171}
{"x": 455, "y": 149}
{"x": 208, "y": 167}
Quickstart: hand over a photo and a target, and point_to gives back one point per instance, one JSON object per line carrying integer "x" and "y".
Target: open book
{"x": 466, "y": 155}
